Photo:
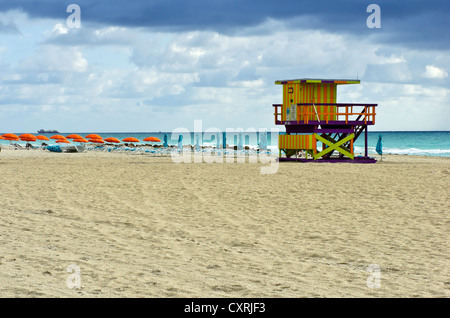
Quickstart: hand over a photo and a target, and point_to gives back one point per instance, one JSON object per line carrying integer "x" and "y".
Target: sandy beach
{"x": 142, "y": 226}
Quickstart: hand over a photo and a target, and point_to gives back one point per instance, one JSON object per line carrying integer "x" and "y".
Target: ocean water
{"x": 424, "y": 143}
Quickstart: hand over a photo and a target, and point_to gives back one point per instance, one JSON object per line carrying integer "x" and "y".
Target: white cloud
{"x": 59, "y": 29}
{"x": 55, "y": 59}
{"x": 154, "y": 83}
{"x": 392, "y": 59}
{"x": 219, "y": 58}
{"x": 89, "y": 36}
{"x": 432, "y": 71}
{"x": 141, "y": 80}
{"x": 248, "y": 84}
{"x": 409, "y": 106}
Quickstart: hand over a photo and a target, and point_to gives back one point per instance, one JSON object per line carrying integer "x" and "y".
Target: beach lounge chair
{"x": 81, "y": 148}
{"x": 70, "y": 149}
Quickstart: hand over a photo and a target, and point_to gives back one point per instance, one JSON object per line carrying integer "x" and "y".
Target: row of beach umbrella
{"x": 92, "y": 138}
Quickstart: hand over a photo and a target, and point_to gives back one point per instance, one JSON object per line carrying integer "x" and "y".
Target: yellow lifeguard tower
{"x": 311, "y": 115}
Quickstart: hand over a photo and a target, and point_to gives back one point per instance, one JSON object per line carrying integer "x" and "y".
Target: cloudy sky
{"x": 157, "y": 65}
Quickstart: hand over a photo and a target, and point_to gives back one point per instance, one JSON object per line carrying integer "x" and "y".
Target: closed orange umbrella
{"x": 112, "y": 139}
{"x": 130, "y": 139}
{"x": 154, "y": 139}
{"x": 93, "y": 136}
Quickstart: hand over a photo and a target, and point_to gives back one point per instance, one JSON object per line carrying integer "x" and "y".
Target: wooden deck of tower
{"x": 312, "y": 117}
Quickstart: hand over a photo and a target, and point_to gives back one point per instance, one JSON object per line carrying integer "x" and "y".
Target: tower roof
{"x": 318, "y": 81}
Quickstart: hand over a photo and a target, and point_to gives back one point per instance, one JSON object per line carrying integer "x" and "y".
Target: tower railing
{"x": 314, "y": 113}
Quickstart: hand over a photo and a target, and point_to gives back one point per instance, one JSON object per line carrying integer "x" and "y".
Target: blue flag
{"x": 224, "y": 144}
{"x": 379, "y": 147}
{"x": 180, "y": 141}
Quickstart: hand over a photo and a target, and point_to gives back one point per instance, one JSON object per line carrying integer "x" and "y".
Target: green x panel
{"x": 334, "y": 146}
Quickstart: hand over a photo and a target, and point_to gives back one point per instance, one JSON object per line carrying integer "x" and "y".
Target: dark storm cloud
{"x": 414, "y": 23}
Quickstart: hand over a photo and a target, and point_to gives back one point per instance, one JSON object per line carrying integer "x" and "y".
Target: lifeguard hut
{"x": 312, "y": 117}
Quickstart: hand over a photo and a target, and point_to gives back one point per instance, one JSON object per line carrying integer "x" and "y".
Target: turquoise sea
{"x": 424, "y": 143}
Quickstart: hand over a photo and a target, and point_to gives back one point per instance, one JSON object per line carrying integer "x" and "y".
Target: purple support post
{"x": 365, "y": 136}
